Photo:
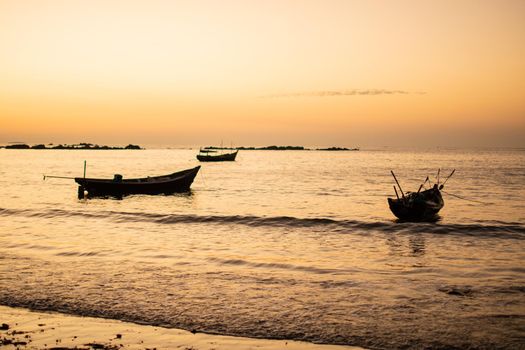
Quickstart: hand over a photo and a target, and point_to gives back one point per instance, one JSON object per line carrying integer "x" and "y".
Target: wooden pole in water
{"x": 397, "y": 182}
{"x": 84, "y": 169}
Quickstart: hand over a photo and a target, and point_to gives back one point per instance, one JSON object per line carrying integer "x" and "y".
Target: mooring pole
{"x": 84, "y": 169}
{"x": 397, "y": 182}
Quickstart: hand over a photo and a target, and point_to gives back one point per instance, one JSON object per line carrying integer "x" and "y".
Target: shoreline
{"x": 49, "y": 330}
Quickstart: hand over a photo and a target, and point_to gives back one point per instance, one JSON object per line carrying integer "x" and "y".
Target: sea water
{"x": 278, "y": 244}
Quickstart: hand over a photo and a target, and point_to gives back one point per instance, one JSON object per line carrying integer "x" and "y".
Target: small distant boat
{"x": 418, "y": 206}
{"x": 208, "y": 155}
{"x": 118, "y": 187}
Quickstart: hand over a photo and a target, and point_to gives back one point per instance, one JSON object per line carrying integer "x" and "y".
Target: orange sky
{"x": 347, "y": 73}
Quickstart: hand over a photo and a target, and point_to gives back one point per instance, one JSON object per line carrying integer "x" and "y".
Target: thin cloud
{"x": 332, "y": 93}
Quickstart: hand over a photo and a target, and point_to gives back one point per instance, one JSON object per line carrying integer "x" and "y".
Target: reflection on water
{"x": 417, "y": 245}
{"x": 297, "y": 245}
{"x": 413, "y": 246}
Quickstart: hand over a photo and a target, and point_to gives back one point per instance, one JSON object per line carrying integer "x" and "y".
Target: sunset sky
{"x": 345, "y": 73}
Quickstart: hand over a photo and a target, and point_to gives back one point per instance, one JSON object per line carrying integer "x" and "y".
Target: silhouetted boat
{"x": 118, "y": 187}
{"x": 421, "y": 205}
{"x": 205, "y": 156}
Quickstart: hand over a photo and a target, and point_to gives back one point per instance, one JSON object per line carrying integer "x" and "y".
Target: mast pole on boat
{"x": 402, "y": 193}
{"x": 395, "y": 189}
{"x": 420, "y": 187}
{"x": 452, "y": 173}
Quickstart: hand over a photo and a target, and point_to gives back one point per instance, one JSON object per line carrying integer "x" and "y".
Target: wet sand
{"x": 24, "y": 329}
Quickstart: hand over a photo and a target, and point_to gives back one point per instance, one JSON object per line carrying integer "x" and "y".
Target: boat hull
{"x": 423, "y": 206}
{"x": 167, "y": 184}
{"x": 217, "y": 158}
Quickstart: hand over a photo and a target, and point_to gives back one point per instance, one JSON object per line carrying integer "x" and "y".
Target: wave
{"x": 241, "y": 262}
{"x": 499, "y": 229}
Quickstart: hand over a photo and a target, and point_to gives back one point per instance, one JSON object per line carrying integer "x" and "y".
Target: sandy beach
{"x": 25, "y": 329}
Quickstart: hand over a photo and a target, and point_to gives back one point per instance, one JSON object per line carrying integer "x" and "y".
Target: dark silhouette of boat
{"x": 418, "y": 206}
{"x": 206, "y": 155}
{"x": 118, "y": 187}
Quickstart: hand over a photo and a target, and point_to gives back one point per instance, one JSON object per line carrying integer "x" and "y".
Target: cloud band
{"x": 331, "y": 93}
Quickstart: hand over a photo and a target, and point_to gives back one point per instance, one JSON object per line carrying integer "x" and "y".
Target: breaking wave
{"x": 492, "y": 229}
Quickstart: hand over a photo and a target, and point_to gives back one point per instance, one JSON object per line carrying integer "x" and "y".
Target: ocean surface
{"x": 279, "y": 244}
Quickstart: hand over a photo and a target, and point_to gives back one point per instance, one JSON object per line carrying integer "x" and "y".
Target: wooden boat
{"x": 205, "y": 156}
{"x": 118, "y": 187}
{"x": 418, "y": 206}
{"x": 421, "y": 205}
